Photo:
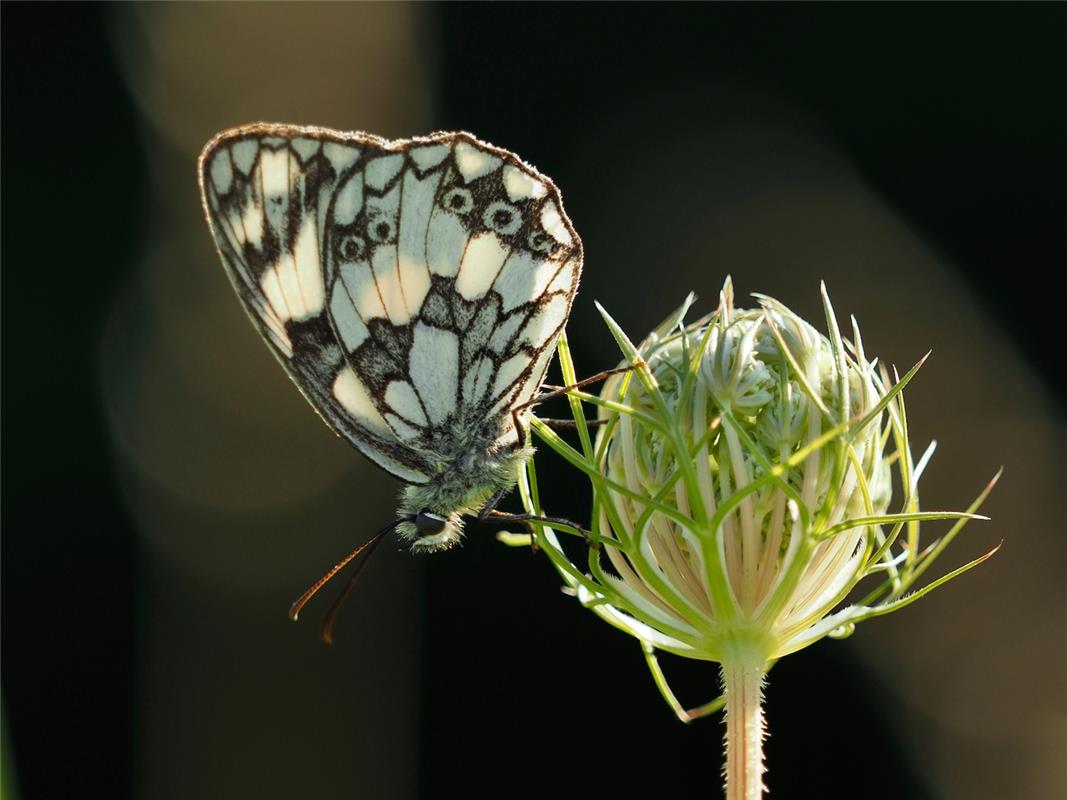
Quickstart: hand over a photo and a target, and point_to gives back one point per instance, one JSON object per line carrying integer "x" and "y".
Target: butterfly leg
{"x": 491, "y": 504}
{"x": 559, "y": 391}
{"x": 570, "y": 423}
{"x": 488, "y": 511}
{"x": 527, "y": 519}
{"x": 556, "y": 391}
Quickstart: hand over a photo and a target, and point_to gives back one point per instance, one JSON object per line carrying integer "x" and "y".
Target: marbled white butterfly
{"x": 413, "y": 290}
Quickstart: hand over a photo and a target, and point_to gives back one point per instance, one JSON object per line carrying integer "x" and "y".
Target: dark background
{"x": 953, "y": 116}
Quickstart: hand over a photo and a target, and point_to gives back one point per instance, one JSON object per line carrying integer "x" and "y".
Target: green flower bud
{"x": 742, "y": 479}
{"x": 744, "y": 392}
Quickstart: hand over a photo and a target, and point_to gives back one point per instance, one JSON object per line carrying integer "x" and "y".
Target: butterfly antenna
{"x": 326, "y": 634}
{"x": 298, "y": 606}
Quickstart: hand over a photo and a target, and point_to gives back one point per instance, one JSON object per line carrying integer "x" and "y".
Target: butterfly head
{"x": 428, "y": 531}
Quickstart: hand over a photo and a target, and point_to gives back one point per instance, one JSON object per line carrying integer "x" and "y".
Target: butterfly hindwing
{"x": 413, "y": 290}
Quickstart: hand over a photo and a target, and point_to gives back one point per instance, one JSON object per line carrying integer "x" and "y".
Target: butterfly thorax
{"x": 469, "y": 473}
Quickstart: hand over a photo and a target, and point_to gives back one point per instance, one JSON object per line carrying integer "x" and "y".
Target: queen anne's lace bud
{"x": 742, "y": 479}
{"x": 743, "y": 544}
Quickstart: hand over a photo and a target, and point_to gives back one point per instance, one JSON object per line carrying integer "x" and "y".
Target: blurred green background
{"x": 167, "y": 494}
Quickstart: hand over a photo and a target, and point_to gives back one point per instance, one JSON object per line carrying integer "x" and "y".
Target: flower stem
{"x": 742, "y": 680}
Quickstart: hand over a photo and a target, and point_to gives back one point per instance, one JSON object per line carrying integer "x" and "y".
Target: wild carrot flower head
{"x": 742, "y": 481}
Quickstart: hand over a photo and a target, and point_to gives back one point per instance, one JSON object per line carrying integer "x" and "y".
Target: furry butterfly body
{"x": 413, "y": 290}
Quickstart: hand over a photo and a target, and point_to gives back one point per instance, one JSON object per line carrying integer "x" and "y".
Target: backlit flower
{"x": 742, "y": 481}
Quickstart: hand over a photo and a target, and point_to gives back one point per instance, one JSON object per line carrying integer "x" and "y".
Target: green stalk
{"x": 743, "y": 671}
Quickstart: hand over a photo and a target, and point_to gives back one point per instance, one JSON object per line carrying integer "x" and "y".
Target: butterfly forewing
{"x": 412, "y": 289}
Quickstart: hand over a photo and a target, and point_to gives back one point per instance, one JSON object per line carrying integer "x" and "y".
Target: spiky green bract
{"x": 742, "y": 487}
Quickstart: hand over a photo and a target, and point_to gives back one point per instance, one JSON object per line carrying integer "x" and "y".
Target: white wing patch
{"x": 381, "y": 214}
{"x": 294, "y": 286}
{"x": 244, "y": 155}
{"x": 414, "y": 278}
{"x": 380, "y": 171}
{"x": 251, "y": 225}
{"x": 349, "y": 200}
{"x": 523, "y": 278}
{"x": 553, "y": 224}
{"x": 434, "y": 367}
{"x": 401, "y": 397}
{"x": 527, "y": 390}
{"x": 358, "y": 280}
{"x": 504, "y": 332}
{"x": 274, "y": 180}
{"x": 350, "y": 325}
{"x": 548, "y": 317}
{"x": 482, "y": 261}
{"x": 341, "y": 156}
{"x": 391, "y": 290}
{"x": 474, "y": 163}
{"x": 413, "y": 290}
{"x": 272, "y": 288}
{"x": 222, "y": 172}
{"x": 521, "y": 186}
{"x": 352, "y": 394}
{"x": 415, "y": 210}
{"x": 404, "y": 430}
{"x": 564, "y": 280}
{"x": 430, "y": 156}
{"x": 305, "y": 148}
{"x": 476, "y": 381}
{"x": 446, "y": 239}
{"x": 509, "y": 372}
{"x": 305, "y": 264}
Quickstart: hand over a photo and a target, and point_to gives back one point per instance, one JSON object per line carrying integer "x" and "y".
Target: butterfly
{"x": 412, "y": 289}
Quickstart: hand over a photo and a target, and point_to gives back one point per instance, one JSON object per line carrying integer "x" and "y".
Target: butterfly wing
{"x": 529, "y": 265}
{"x": 411, "y": 289}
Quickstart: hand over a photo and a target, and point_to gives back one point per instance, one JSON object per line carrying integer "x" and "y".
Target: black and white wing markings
{"x": 266, "y": 197}
{"x": 414, "y": 300}
{"x": 495, "y": 268}
{"x": 409, "y": 288}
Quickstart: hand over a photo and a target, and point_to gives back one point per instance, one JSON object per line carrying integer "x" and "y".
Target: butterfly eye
{"x": 458, "y": 201}
{"x": 352, "y": 247}
{"x": 428, "y": 523}
{"x": 540, "y": 242}
{"x": 381, "y": 230}
{"x": 502, "y": 218}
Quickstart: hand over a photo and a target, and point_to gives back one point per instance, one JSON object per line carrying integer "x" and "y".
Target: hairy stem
{"x": 742, "y": 680}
